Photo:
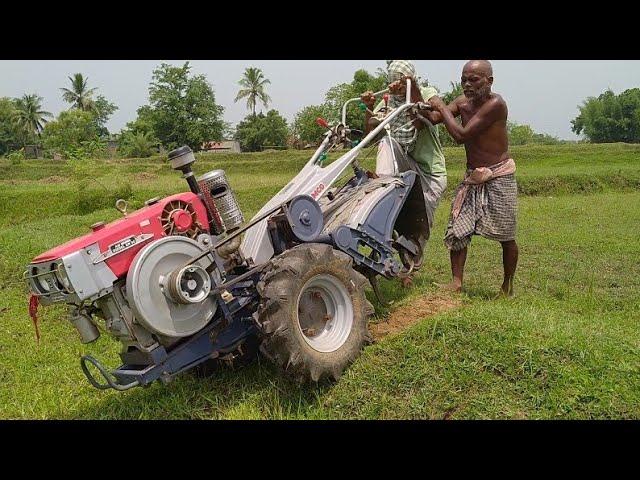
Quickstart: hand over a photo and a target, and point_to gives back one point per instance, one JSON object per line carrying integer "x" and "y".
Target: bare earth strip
{"x": 417, "y": 309}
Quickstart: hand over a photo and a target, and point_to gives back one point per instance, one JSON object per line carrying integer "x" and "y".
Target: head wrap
{"x": 398, "y": 68}
{"x": 402, "y": 129}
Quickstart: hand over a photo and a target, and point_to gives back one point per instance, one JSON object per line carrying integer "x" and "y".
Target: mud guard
{"x": 370, "y": 244}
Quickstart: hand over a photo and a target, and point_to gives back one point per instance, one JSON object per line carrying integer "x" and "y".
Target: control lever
{"x": 322, "y": 122}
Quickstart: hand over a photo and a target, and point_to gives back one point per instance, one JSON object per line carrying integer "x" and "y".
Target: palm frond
{"x": 241, "y": 94}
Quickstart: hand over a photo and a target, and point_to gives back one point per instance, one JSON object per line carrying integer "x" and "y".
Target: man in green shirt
{"x": 413, "y": 144}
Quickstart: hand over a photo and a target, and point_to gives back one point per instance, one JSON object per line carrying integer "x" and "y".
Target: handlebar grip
{"x": 424, "y": 106}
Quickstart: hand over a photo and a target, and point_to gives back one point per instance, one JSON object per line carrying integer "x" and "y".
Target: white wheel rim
{"x": 324, "y": 296}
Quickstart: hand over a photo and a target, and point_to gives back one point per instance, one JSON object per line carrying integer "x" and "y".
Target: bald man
{"x": 485, "y": 203}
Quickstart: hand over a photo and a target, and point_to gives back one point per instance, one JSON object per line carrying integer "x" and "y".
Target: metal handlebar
{"x": 330, "y": 134}
{"x": 344, "y": 107}
{"x": 420, "y": 105}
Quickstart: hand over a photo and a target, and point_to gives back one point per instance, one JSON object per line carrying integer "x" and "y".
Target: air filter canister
{"x": 216, "y": 189}
{"x": 218, "y": 225}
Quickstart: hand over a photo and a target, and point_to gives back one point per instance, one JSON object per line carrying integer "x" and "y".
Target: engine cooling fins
{"x": 180, "y": 218}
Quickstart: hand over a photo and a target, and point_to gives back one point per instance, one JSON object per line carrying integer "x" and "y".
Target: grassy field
{"x": 567, "y": 346}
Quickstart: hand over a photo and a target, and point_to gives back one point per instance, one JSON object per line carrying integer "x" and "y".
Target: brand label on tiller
{"x": 122, "y": 245}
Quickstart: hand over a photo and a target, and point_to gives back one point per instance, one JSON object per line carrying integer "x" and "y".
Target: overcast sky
{"x": 543, "y": 94}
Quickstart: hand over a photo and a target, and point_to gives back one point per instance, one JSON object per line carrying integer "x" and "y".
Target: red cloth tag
{"x": 33, "y": 313}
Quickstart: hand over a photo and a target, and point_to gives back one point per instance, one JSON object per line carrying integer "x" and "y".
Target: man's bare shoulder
{"x": 498, "y": 101}
{"x": 497, "y": 104}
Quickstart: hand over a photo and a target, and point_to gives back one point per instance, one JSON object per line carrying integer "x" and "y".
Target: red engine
{"x": 147, "y": 276}
{"x": 118, "y": 242}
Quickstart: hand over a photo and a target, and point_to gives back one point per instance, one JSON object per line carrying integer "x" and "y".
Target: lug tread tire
{"x": 283, "y": 342}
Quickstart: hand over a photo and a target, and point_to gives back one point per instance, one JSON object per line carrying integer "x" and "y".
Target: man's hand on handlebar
{"x": 368, "y": 99}
{"x": 429, "y": 110}
{"x": 423, "y": 108}
{"x": 437, "y": 103}
{"x": 399, "y": 86}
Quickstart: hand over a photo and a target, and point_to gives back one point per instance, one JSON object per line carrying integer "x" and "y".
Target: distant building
{"x": 32, "y": 151}
{"x": 231, "y": 146}
{"x": 112, "y": 146}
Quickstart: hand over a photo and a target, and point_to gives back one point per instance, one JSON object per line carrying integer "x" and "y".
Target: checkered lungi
{"x": 489, "y": 209}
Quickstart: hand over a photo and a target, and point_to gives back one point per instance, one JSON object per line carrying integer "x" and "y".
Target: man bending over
{"x": 414, "y": 146}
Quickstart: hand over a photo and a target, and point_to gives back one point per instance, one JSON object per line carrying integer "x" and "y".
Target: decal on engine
{"x": 121, "y": 246}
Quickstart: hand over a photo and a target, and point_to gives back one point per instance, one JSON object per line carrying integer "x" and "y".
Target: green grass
{"x": 568, "y": 345}
{"x": 49, "y": 187}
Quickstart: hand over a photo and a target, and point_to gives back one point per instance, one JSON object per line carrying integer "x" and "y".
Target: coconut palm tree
{"x": 79, "y": 95}
{"x": 253, "y": 82}
{"x": 29, "y": 114}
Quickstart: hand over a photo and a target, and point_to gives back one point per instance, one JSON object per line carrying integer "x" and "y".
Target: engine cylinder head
{"x": 215, "y": 188}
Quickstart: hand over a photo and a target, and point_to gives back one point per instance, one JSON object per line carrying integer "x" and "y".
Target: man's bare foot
{"x": 406, "y": 282}
{"x": 455, "y": 287}
{"x": 506, "y": 291}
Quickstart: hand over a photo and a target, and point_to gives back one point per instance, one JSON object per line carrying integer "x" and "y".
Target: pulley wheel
{"x": 147, "y": 283}
{"x": 305, "y": 218}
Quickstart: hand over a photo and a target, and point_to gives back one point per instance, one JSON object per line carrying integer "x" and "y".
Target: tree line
{"x": 182, "y": 110}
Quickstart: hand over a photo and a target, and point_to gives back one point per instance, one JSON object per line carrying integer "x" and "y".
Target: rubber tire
{"x": 277, "y": 316}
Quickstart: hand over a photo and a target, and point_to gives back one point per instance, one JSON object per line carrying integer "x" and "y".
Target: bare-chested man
{"x": 485, "y": 202}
